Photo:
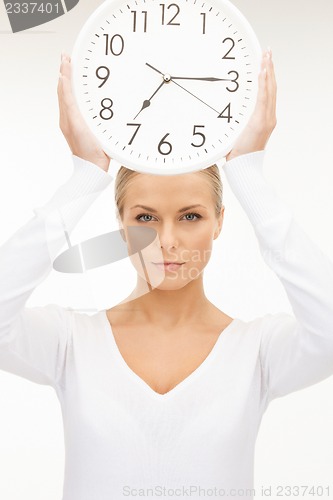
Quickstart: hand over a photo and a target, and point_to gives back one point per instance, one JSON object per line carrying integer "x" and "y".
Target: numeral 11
{"x": 144, "y": 12}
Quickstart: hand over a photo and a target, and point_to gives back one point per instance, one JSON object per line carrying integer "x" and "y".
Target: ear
{"x": 219, "y": 223}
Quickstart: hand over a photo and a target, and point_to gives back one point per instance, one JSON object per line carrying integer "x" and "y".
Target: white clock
{"x": 166, "y": 85}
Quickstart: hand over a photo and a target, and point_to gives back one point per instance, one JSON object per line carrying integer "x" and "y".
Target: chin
{"x": 170, "y": 286}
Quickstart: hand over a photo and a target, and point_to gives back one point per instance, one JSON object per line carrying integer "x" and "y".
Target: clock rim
{"x": 219, "y": 157}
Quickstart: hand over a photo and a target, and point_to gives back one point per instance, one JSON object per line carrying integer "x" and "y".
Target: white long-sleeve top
{"x": 123, "y": 439}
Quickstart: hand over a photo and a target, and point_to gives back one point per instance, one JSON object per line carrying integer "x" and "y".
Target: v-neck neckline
{"x": 183, "y": 383}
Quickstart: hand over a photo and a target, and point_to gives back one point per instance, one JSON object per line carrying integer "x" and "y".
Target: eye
{"x": 148, "y": 218}
{"x": 138, "y": 217}
{"x": 191, "y": 214}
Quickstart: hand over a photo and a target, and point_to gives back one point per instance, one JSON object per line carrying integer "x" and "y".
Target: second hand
{"x": 193, "y": 95}
{"x": 203, "y": 102}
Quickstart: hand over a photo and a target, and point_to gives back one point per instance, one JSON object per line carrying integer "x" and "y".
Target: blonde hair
{"x": 125, "y": 176}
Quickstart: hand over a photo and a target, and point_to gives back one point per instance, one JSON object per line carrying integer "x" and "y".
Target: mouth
{"x": 169, "y": 266}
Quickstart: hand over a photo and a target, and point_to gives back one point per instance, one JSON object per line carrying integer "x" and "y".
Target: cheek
{"x": 199, "y": 244}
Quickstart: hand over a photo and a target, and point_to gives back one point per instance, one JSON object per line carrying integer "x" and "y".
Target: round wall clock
{"x": 166, "y": 86}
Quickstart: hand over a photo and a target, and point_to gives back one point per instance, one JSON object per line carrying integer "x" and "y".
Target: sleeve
{"x": 296, "y": 350}
{"x": 34, "y": 340}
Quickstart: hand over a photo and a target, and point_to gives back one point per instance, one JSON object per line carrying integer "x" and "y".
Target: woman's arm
{"x": 296, "y": 351}
{"x": 80, "y": 139}
{"x": 33, "y": 341}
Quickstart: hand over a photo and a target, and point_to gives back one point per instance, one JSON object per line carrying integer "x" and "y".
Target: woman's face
{"x": 181, "y": 209}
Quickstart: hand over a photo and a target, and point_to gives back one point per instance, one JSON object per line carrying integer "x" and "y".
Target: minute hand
{"x": 206, "y": 79}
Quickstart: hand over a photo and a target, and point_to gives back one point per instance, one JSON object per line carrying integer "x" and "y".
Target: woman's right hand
{"x": 79, "y": 137}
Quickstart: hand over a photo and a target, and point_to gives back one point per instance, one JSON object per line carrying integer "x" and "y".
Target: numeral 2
{"x": 232, "y": 46}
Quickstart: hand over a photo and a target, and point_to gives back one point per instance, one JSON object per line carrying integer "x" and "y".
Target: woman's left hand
{"x": 263, "y": 119}
{"x": 79, "y": 137}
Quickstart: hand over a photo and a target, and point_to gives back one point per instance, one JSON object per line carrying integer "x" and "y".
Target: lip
{"x": 166, "y": 262}
{"x": 168, "y": 266}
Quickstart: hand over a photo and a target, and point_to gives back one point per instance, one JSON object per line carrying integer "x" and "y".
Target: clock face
{"x": 166, "y": 86}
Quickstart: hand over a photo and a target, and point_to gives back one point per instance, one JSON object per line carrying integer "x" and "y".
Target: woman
{"x": 163, "y": 394}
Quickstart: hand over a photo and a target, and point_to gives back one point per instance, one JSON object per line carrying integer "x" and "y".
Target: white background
{"x": 295, "y": 441}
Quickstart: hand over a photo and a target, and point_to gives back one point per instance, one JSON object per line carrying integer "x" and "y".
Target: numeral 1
{"x": 203, "y": 14}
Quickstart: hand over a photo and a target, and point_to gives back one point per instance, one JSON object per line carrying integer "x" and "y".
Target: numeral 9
{"x": 101, "y": 77}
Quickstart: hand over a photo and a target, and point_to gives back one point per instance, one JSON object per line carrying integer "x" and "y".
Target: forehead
{"x": 183, "y": 189}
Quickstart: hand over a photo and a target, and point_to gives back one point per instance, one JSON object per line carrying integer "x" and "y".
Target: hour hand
{"x": 147, "y": 102}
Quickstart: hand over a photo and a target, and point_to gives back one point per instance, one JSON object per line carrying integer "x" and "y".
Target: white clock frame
{"x": 187, "y": 107}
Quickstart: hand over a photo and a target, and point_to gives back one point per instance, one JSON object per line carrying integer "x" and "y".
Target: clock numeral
{"x": 200, "y": 134}
{"x": 228, "y": 110}
{"x": 112, "y": 46}
{"x": 144, "y": 22}
{"x": 106, "y": 109}
{"x": 170, "y": 23}
{"x": 101, "y": 77}
{"x": 234, "y": 81}
{"x": 168, "y": 145}
{"x": 226, "y": 56}
{"x": 138, "y": 125}
{"x": 203, "y": 14}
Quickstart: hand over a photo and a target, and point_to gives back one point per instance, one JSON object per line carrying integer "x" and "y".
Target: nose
{"x": 167, "y": 236}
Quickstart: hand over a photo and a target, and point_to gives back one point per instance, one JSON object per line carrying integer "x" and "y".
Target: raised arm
{"x": 296, "y": 351}
{"x": 34, "y": 341}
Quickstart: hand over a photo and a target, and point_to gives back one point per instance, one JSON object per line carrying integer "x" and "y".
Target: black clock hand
{"x": 206, "y": 79}
{"x": 146, "y": 103}
{"x": 152, "y": 67}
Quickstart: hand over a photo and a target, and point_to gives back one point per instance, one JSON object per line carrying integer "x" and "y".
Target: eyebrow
{"x": 179, "y": 211}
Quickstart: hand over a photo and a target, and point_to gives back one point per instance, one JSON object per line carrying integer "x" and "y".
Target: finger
{"x": 262, "y": 60}
{"x": 67, "y": 97}
{"x": 62, "y": 107}
{"x": 262, "y": 86}
{"x": 65, "y": 68}
{"x": 271, "y": 88}
{"x": 273, "y": 76}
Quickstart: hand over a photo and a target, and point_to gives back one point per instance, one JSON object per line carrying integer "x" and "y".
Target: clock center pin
{"x": 167, "y": 78}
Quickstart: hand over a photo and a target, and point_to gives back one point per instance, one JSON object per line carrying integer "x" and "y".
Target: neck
{"x": 169, "y": 308}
